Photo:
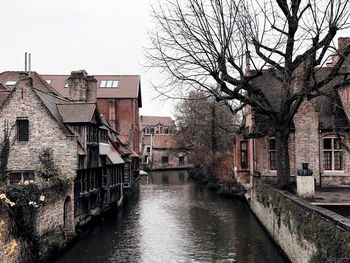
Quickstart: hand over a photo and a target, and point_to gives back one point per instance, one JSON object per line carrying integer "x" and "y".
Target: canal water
{"x": 175, "y": 220}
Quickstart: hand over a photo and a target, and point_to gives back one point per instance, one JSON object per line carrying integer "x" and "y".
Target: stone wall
{"x": 305, "y": 233}
{"x": 44, "y": 132}
{"x": 54, "y": 222}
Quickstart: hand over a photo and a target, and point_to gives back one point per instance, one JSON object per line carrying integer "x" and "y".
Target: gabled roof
{"x": 328, "y": 105}
{"x": 129, "y": 86}
{"x": 112, "y": 153}
{"x": 50, "y": 101}
{"x": 154, "y": 120}
{"x": 3, "y": 87}
{"x": 38, "y": 82}
{"x": 3, "y": 96}
{"x": 331, "y": 112}
{"x": 76, "y": 112}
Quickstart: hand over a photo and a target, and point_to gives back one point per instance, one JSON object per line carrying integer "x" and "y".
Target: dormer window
{"x": 147, "y": 130}
{"x": 109, "y": 83}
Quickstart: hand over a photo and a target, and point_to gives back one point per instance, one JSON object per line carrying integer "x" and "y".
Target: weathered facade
{"x": 320, "y": 127}
{"x": 96, "y": 169}
{"x": 159, "y": 147}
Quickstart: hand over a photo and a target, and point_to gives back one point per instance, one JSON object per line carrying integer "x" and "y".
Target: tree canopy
{"x": 222, "y": 46}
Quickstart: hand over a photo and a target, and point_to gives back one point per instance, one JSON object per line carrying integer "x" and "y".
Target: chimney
{"x": 247, "y": 61}
{"x": 23, "y": 84}
{"x": 343, "y": 42}
{"x": 77, "y": 86}
{"x": 91, "y": 95}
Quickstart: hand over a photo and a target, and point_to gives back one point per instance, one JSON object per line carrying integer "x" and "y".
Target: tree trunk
{"x": 282, "y": 157}
{"x": 213, "y": 142}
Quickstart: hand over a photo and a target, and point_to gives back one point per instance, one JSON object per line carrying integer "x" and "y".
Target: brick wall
{"x": 263, "y": 161}
{"x": 128, "y": 121}
{"x": 107, "y": 108}
{"x": 307, "y": 141}
{"x": 123, "y": 115}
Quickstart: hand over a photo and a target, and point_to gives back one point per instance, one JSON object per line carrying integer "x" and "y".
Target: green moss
{"x": 332, "y": 243}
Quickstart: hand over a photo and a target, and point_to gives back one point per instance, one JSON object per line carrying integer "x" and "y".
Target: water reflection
{"x": 171, "y": 177}
{"x": 174, "y": 220}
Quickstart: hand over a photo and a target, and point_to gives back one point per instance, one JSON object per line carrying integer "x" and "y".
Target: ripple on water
{"x": 174, "y": 220}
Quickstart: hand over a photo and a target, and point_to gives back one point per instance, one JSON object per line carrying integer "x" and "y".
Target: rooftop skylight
{"x": 109, "y": 83}
{"x": 10, "y": 82}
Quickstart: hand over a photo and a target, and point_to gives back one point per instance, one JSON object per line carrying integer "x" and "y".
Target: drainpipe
{"x": 151, "y": 152}
{"x": 319, "y": 156}
{"x": 254, "y": 156}
{"x": 254, "y": 162}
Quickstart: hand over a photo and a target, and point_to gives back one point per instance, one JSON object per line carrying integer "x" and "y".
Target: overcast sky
{"x": 100, "y": 36}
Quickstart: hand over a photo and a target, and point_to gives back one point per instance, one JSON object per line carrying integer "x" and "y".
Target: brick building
{"x": 313, "y": 136}
{"x": 159, "y": 147}
{"x": 96, "y": 168}
{"x": 118, "y": 100}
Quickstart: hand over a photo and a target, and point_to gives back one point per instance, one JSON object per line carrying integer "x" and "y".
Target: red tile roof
{"x": 38, "y": 81}
{"x": 129, "y": 86}
{"x": 154, "y": 120}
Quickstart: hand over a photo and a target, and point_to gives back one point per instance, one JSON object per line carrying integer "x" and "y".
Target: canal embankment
{"x": 306, "y": 233}
{"x": 174, "y": 219}
{"x": 229, "y": 189}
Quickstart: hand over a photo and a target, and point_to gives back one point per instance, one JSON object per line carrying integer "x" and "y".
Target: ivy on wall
{"x": 330, "y": 239}
{"x": 5, "y": 146}
{"x": 47, "y": 173}
{"x": 23, "y": 200}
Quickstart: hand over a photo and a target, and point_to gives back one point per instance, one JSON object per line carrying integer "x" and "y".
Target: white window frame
{"x": 332, "y": 150}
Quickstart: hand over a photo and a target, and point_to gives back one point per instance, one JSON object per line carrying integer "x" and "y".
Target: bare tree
{"x": 208, "y": 128}
{"x": 203, "y": 44}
